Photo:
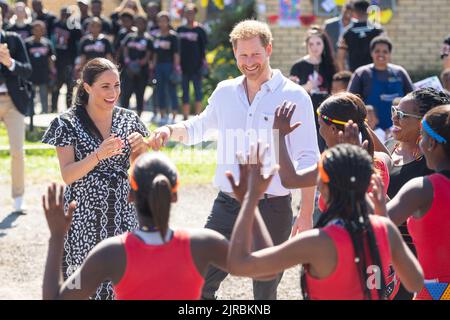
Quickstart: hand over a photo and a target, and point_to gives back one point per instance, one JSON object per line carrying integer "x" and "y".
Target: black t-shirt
{"x": 115, "y": 23}
{"x": 49, "y": 20}
{"x": 399, "y": 176}
{"x": 192, "y": 48}
{"x": 65, "y": 41}
{"x": 305, "y": 72}
{"x": 137, "y": 45}
{"x": 83, "y": 23}
{"x": 24, "y": 31}
{"x": 165, "y": 47}
{"x": 357, "y": 38}
{"x": 121, "y": 35}
{"x": 106, "y": 25}
{"x": 39, "y": 54}
{"x": 95, "y": 48}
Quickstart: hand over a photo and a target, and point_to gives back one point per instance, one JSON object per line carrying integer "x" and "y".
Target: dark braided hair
{"x": 350, "y": 168}
{"x": 427, "y": 98}
{"x": 439, "y": 120}
{"x": 346, "y": 106}
{"x": 155, "y": 176}
{"x": 90, "y": 73}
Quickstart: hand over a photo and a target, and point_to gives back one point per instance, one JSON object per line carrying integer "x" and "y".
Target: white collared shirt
{"x": 238, "y": 125}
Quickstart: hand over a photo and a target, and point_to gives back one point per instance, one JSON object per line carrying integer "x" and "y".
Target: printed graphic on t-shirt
{"x": 190, "y": 36}
{"x": 162, "y": 44}
{"x": 98, "y": 46}
{"x": 140, "y": 45}
{"x": 37, "y": 52}
{"x": 62, "y": 38}
{"x": 362, "y": 31}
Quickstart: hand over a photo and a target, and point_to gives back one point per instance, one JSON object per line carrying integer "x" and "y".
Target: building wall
{"x": 416, "y": 30}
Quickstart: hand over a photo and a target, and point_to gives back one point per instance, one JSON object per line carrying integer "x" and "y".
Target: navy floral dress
{"x": 103, "y": 210}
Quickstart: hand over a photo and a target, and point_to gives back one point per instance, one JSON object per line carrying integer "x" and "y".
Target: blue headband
{"x": 432, "y": 133}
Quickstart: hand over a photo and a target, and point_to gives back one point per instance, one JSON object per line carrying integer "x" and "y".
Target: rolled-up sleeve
{"x": 204, "y": 125}
{"x": 302, "y": 142}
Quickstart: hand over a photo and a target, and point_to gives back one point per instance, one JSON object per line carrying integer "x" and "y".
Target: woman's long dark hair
{"x": 346, "y": 106}
{"x": 90, "y": 73}
{"x": 156, "y": 177}
{"x": 350, "y": 169}
{"x": 327, "y": 54}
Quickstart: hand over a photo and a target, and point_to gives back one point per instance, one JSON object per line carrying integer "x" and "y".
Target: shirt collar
{"x": 271, "y": 85}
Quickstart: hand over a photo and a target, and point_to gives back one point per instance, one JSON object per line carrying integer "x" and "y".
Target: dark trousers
{"x": 135, "y": 84}
{"x": 277, "y": 215}
{"x": 196, "y": 79}
{"x": 64, "y": 76}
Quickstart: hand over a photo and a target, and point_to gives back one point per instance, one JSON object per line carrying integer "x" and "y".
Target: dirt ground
{"x": 23, "y": 244}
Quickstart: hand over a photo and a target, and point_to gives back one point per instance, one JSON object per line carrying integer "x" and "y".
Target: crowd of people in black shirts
{"x": 148, "y": 50}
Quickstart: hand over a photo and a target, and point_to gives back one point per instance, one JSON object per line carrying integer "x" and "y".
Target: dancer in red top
{"x": 152, "y": 262}
{"x": 348, "y": 242}
{"x": 341, "y": 118}
{"x": 423, "y": 202}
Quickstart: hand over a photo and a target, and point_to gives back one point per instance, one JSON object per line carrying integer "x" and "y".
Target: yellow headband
{"x": 331, "y": 120}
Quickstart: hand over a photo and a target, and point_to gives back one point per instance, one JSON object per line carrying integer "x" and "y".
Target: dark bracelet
{"x": 170, "y": 129}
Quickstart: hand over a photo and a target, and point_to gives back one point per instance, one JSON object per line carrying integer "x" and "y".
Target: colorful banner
{"x": 289, "y": 13}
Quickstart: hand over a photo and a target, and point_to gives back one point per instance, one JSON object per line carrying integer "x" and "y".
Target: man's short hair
{"x": 127, "y": 13}
{"x": 164, "y": 14}
{"x": 361, "y": 6}
{"x": 190, "y": 6}
{"x": 249, "y": 29}
{"x": 343, "y": 76}
{"x": 447, "y": 40}
{"x": 380, "y": 40}
{"x": 38, "y": 23}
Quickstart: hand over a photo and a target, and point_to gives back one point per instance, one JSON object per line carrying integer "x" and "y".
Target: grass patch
{"x": 194, "y": 166}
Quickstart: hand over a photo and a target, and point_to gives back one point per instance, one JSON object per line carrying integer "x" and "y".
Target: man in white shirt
{"x": 241, "y": 111}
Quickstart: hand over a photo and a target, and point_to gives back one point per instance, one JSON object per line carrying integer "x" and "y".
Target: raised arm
{"x": 105, "y": 262}
{"x": 413, "y": 200}
{"x": 188, "y": 132}
{"x": 242, "y": 261}
{"x": 282, "y": 127}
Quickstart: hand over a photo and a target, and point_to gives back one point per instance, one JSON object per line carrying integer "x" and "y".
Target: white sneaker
{"x": 18, "y": 204}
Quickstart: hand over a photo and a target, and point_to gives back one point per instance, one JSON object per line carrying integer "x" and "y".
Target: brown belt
{"x": 266, "y": 195}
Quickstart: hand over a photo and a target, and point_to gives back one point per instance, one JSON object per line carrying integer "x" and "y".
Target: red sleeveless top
{"x": 159, "y": 272}
{"x": 431, "y": 233}
{"x": 344, "y": 283}
{"x": 381, "y": 169}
